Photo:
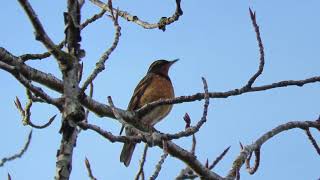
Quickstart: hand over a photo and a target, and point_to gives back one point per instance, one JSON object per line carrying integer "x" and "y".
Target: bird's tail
{"x": 126, "y": 153}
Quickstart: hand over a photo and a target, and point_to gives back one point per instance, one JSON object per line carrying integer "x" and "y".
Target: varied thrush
{"x": 154, "y": 86}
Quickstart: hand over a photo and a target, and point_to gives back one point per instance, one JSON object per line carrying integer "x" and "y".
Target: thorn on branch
{"x": 88, "y": 166}
{"x": 9, "y": 176}
{"x": 312, "y": 140}
{"x": 241, "y": 146}
{"x": 207, "y": 163}
{"x": 219, "y": 158}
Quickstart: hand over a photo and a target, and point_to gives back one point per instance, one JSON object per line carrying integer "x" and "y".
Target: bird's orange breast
{"x": 159, "y": 88}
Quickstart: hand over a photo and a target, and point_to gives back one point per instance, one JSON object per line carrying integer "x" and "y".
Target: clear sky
{"x": 214, "y": 39}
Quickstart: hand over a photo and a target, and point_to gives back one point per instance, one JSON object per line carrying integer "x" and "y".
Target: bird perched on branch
{"x": 154, "y": 86}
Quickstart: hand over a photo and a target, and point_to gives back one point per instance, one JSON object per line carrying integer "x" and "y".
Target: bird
{"x": 155, "y": 85}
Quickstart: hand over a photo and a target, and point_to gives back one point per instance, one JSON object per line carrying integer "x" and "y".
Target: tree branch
{"x": 261, "y": 50}
{"x": 26, "y": 113}
{"x": 312, "y": 140}
{"x": 142, "y": 161}
{"x": 26, "y": 57}
{"x": 100, "y": 65}
{"x": 19, "y": 154}
{"x": 41, "y": 35}
{"x": 160, "y": 25}
{"x": 159, "y": 166}
{"x": 245, "y": 152}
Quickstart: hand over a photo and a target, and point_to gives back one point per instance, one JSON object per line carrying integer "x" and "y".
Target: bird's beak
{"x": 172, "y": 62}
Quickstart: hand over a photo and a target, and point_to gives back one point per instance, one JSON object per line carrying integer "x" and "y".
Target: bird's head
{"x": 161, "y": 66}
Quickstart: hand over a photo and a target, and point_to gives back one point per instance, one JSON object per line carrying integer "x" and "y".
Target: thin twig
{"x": 93, "y": 19}
{"x": 193, "y": 129}
{"x": 44, "y": 125}
{"x": 34, "y": 89}
{"x": 108, "y": 135}
{"x": 261, "y": 49}
{"x": 142, "y": 161}
{"x": 88, "y": 166}
{"x": 40, "y": 33}
{"x": 26, "y": 57}
{"x": 26, "y": 113}
{"x": 159, "y": 166}
{"x": 100, "y": 65}
{"x": 19, "y": 154}
{"x": 160, "y": 25}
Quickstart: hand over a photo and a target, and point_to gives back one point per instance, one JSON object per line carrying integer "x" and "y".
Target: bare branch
{"x": 219, "y": 158}
{"x": 105, "y": 111}
{"x": 26, "y": 57}
{"x": 186, "y": 173}
{"x": 261, "y": 50}
{"x": 142, "y": 161}
{"x": 6, "y": 67}
{"x": 172, "y": 149}
{"x": 159, "y": 166}
{"x": 36, "y": 90}
{"x": 42, "y": 126}
{"x": 193, "y": 129}
{"x": 160, "y": 25}
{"x": 312, "y": 140}
{"x": 100, "y": 65}
{"x": 26, "y": 113}
{"x": 142, "y": 128}
{"x": 245, "y": 152}
{"x": 72, "y": 111}
{"x": 93, "y": 18}
{"x": 40, "y": 33}
{"x": 88, "y": 166}
{"x": 226, "y": 94}
{"x": 252, "y": 170}
{"x": 19, "y": 154}
{"x": 108, "y": 135}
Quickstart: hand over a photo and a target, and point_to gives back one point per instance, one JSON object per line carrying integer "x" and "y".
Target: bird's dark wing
{"x": 138, "y": 92}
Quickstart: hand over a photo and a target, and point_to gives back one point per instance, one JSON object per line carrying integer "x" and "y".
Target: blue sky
{"x": 213, "y": 39}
